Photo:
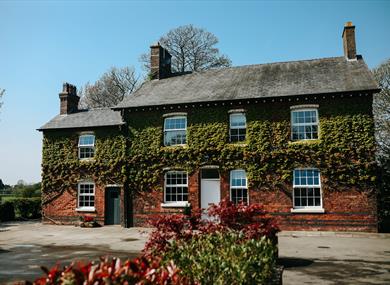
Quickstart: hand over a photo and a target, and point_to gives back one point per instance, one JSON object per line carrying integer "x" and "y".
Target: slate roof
{"x": 317, "y": 76}
{"x": 98, "y": 117}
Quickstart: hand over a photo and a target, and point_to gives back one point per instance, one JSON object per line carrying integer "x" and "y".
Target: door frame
{"x": 209, "y": 167}
{"x": 121, "y": 204}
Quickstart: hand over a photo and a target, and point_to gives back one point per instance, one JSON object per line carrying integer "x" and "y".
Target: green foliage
{"x": 62, "y": 169}
{"x": 7, "y": 211}
{"x": 27, "y": 191}
{"x": 345, "y": 151}
{"x": 224, "y": 258}
{"x": 27, "y": 208}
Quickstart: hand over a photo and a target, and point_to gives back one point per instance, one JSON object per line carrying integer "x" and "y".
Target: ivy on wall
{"x": 344, "y": 153}
{"x": 62, "y": 170}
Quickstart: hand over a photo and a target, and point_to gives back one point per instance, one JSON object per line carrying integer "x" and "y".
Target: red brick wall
{"x": 345, "y": 209}
{"x": 63, "y": 209}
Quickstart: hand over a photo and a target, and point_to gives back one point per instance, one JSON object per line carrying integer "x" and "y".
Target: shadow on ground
{"x": 24, "y": 261}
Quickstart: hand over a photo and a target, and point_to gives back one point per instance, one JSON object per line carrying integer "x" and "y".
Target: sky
{"x": 46, "y": 43}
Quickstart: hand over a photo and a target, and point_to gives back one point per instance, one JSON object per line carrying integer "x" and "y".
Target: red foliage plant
{"x": 251, "y": 220}
{"x": 87, "y": 219}
{"x": 112, "y": 271}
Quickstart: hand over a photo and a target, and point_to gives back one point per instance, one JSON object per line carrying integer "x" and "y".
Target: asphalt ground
{"x": 308, "y": 257}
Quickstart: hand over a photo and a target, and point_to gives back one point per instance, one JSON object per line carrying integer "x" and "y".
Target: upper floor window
{"x": 237, "y": 127}
{"x": 304, "y": 124}
{"x": 175, "y": 130}
{"x": 307, "y": 188}
{"x": 86, "y": 196}
{"x": 176, "y": 186}
{"x": 238, "y": 186}
{"x": 86, "y": 146}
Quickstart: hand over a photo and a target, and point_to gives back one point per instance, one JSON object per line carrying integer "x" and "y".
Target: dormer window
{"x": 237, "y": 127}
{"x": 86, "y": 146}
{"x": 175, "y": 130}
{"x": 304, "y": 124}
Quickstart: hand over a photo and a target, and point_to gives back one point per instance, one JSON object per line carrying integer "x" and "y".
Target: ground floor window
{"x": 176, "y": 186}
{"x": 307, "y": 189}
{"x": 86, "y": 196}
{"x": 238, "y": 186}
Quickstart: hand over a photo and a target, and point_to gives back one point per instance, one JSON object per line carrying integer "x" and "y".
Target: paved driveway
{"x": 25, "y": 246}
{"x": 335, "y": 258}
{"x": 309, "y": 258}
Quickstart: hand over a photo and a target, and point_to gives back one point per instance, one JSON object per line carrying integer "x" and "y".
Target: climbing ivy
{"x": 62, "y": 170}
{"x": 344, "y": 152}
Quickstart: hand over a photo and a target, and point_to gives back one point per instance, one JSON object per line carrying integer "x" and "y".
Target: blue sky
{"x": 45, "y": 43}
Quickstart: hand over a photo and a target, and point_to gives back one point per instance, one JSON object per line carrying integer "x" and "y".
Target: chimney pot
{"x": 349, "y": 43}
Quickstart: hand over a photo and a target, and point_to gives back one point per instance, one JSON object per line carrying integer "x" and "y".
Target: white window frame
{"x": 166, "y": 185}
{"x": 237, "y": 127}
{"x": 175, "y": 130}
{"x": 307, "y": 209}
{"x": 295, "y": 110}
{"x": 239, "y": 187}
{"x": 85, "y": 208}
{"x": 87, "y": 145}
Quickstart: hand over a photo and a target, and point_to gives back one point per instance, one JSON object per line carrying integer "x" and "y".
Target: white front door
{"x": 210, "y": 188}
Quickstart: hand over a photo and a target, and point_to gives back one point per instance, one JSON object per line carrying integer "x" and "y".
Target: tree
{"x": 2, "y": 91}
{"x": 192, "y": 49}
{"x": 110, "y": 88}
{"x": 381, "y": 109}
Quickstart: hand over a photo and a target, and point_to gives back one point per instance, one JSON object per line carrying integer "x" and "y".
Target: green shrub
{"x": 27, "y": 208}
{"x": 224, "y": 258}
{"x": 7, "y": 211}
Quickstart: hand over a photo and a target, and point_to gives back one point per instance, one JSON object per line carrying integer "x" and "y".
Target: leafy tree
{"x": 110, "y": 88}
{"x": 2, "y": 186}
{"x": 27, "y": 190}
{"x": 192, "y": 49}
{"x": 381, "y": 108}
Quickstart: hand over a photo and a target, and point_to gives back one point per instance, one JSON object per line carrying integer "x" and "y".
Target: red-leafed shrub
{"x": 113, "y": 271}
{"x": 88, "y": 219}
{"x": 251, "y": 220}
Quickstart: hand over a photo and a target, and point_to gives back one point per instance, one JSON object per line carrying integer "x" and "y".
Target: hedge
{"x": 26, "y": 208}
{"x": 7, "y": 211}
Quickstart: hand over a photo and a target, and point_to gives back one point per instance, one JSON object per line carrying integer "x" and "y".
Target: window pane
{"x": 86, "y": 140}
{"x": 86, "y": 197}
{"x": 304, "y": 125}
{"x": 237, "y": 120}
{"x": 174, "y": 123}
{"x": 176, "y": 188}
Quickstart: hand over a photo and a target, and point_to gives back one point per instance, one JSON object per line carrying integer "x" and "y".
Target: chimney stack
{"x": 349, "y": 41}
{"x": 69, "y": 100}
{"x": 160, "y": 62}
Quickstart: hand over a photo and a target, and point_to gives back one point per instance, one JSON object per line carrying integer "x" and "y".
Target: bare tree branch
{"x": 110, "y": 89}
{"x": 2, "y": 92}
{"x": 192, "y": 49}
{"x": 381, "y": 107}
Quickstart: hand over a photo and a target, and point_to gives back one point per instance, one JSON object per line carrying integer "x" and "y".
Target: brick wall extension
{"x": 63, "y": 210}
{"x": 347, "y": 209}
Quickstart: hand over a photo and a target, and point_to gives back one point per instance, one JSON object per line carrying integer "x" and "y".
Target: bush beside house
{"x": 236, "y": 245}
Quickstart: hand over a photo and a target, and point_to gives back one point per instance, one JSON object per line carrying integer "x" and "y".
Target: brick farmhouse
{"x": 296, "y": 137}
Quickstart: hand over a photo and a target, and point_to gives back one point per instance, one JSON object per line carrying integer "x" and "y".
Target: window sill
{"x": 308, "y": 211}
{"x": 308, "y": 141}
{"x": 175, "y": 205}
{"x": 86, "y": 209}
{"x": 238, "y": 144}
{"x": 176, "y": 145}
{"x": 87, "y": 159}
